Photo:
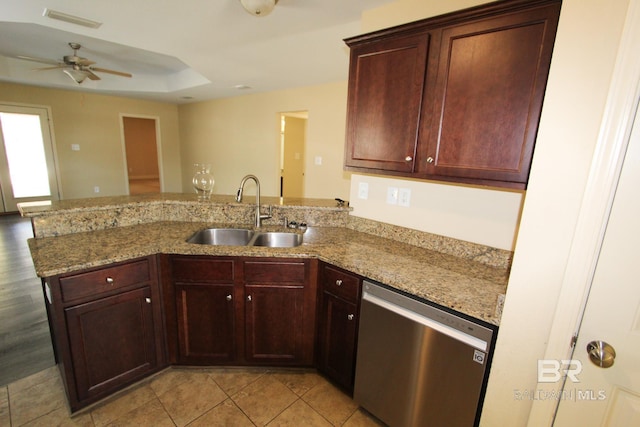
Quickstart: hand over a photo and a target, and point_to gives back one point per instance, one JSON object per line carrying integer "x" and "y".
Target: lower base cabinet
{"x": 115, "y": 325}
{"x": 207, "y": 326}
{"x": 107, "y": 327}
{"x": 240, "y": 311}
{"x": 339, "y": 303}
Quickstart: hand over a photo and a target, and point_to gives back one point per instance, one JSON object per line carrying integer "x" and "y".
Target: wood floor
{"x": 25, "y": 343}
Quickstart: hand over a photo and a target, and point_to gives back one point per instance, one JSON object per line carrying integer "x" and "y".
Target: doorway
{"x": 140, "y": 136}
{"x": 27, "y": 161}
{"x": 293, "y": 134}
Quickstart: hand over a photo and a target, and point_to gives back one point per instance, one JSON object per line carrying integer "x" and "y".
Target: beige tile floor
{"x": 190, "y": 397}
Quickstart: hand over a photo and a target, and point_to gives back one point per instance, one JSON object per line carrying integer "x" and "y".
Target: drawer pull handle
{"x": 229, "y": 297}
{"x": 350, "y": 316}
{"x": 430, "y": 160}
{"x": 249, "y": 298}
{"x": 109, "y": 280}
{"x": 339, "y": 282}
{"x": 147, "y": 300}
{"x": 408, "y": 158}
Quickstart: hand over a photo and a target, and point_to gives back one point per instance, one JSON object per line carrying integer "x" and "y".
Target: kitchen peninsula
{"x": 77, "y": 239}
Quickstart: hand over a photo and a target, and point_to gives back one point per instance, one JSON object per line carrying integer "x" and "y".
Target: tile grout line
{"x": 162, "y": 404}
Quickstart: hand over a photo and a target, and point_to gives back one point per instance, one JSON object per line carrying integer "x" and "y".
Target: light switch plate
{"x": 363, "y": 190}
{"x": 404, "y": 197}
{"x": 392, "y": 195}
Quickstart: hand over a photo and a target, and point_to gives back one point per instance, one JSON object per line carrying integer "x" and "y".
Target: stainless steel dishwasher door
{"x": 418, "y": 365}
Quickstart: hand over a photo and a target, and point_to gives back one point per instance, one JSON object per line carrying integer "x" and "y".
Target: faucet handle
{"x": 266, "y": 216}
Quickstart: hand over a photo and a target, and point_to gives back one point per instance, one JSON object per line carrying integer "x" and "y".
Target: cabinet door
{"x": 111, "y": 341}
{"x": 488, "y": 96}
{"x": 274, "y": 321}
{"x": 206, "y": 331}
{"x": 337, "y": 340}
{"x": 386, "y": 80}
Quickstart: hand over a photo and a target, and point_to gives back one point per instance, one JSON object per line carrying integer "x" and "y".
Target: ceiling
{"x": 182, "y": 51}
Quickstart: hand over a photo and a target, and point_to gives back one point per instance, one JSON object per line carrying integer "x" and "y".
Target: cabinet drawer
{"x": 275, "y": 271}
{"x": 341, "y": 284}
{"x": 202, "y": 270}
{"x": 105, "y": 280}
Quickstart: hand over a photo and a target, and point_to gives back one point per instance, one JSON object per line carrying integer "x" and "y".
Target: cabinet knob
{"x": 248, "y": 297}
{"x": 229, "y": 297}
{"x": 350, "y": 316}
{"x": 339, "y": 282}
{"x": 408, "y": 158}
{"x": 147, "y": 300}
{"x": 429, "y": 159}
{"x": 109, "y": 280}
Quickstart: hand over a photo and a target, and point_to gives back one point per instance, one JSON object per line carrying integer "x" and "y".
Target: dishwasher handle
{"x": 427, "y": 321}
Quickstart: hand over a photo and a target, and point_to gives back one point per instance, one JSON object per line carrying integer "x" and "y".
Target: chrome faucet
{"x": 259, "y": 216}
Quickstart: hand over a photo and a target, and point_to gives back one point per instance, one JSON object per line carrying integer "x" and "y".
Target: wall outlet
{"x": 75, "y": 147}
{"x": 96, "y": 189}
{"x": 318, "y": 160}
{"x": 404, "y": 197}
{"x": 363, "y": 190}
{"x": 392, "y": 195}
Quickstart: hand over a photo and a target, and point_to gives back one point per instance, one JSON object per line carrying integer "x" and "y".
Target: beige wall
{"x": 241, "y": 135}
{"x": 93, "y": 122}
{"x": 573, "y": 110}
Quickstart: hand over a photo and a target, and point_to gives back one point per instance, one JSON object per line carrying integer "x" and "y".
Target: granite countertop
{"x": 461, "y": 284}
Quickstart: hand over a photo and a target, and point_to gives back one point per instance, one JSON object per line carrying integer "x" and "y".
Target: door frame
{"x": 615, "y": 132}
{"x": 156, "y": 119}
{"x": 56, "y": 162}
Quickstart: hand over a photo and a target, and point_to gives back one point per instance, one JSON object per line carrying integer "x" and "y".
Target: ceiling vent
{"x": 60, "y": 16}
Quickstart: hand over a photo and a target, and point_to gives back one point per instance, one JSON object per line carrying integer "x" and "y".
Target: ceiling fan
{"x": 74, "y": 66}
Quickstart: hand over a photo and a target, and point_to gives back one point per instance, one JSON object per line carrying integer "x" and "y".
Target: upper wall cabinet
{"x": 453, "y": 98}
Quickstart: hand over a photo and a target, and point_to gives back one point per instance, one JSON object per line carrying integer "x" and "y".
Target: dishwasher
{"x": 419, "y": 364}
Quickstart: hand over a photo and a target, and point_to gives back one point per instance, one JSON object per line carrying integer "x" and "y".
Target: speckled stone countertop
{"x": 458, "y": 282}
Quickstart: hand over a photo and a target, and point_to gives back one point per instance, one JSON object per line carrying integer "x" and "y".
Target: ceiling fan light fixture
{"x": 77, "y": 76}
{"x": 259, "y": 7}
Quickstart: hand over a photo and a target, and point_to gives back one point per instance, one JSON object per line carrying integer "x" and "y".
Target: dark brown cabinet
{"x": 205, "y": 309}
{"x": 338, "y": 324}
{"x": 239, "y": 311}
{"x": 479, "y": 97}
{"x": 108, "y": 329}
{"x": 386, "y": 81}
{"x": 279, "y": 311}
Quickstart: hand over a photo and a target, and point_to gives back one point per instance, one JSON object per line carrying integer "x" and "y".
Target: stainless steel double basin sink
{"x": 245, "y": 237}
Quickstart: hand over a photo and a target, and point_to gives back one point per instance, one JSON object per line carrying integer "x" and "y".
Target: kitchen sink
{"x": 277, "y": 240}
{"x": 245, "y": 237}
{"x": 222, "y": 236}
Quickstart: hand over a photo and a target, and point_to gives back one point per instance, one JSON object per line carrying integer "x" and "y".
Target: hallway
{"x": 25, "y": 344}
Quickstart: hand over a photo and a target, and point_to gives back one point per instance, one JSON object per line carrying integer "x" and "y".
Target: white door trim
{"x": 615, "y": 131}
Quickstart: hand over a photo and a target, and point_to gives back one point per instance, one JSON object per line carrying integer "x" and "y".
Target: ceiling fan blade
{"x": 90, "y": 74}
{"x": 49, "y": 68}
{"x": 43, "y": 60}
{"x": 104, "y": 70}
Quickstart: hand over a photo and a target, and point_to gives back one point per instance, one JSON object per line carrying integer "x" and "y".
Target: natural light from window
{"x": 25, "y": 154}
